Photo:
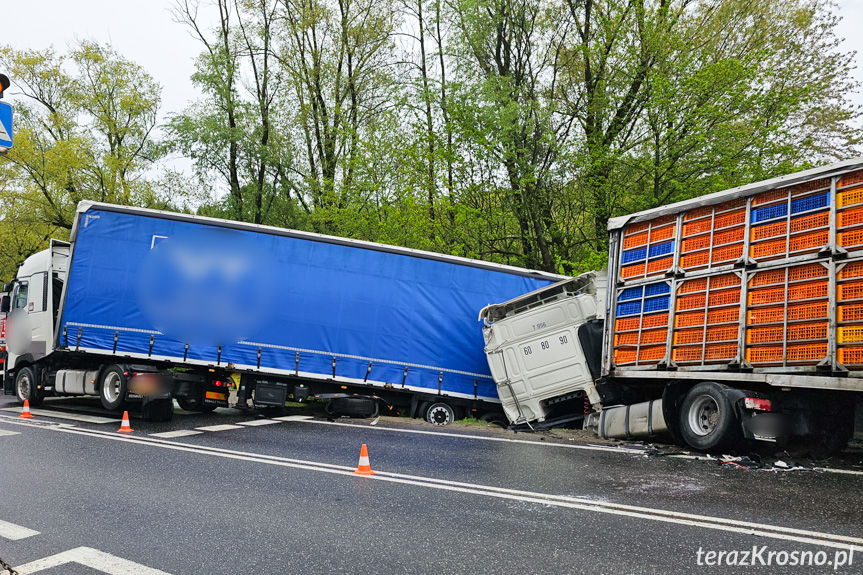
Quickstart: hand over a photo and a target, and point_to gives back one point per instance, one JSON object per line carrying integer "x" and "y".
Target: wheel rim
{"x": 440, "y": 415}
{"x": 111, "y": 387}
{"x": 703, "y": 415}
{"x": 24, "y": 387}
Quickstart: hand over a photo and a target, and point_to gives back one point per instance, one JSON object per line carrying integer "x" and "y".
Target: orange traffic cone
{"x": 125, "y": 427}
{"x": 26, "y": 412}
{"x": 364, "y": 468}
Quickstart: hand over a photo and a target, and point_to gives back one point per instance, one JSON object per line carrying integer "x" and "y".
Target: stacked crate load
{"x": 707, "y": 320}
{"x": 641, "y": 332}
{"x": 713, "y": 236}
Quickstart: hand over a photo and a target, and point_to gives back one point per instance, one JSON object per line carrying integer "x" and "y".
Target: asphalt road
{"x": 270, "y": 495}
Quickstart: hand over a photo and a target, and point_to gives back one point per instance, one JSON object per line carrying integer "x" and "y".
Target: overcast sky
{"x": 144, "y": 31}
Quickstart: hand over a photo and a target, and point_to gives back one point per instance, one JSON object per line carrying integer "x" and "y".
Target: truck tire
{"x": 353, "y": 406}
{"x": 25, "y": 387}
{"x": 112, "y": 392}
{"x": 194, "y": 404}
{"x": 707, "y": 418}
{"x": 440, "y": 414}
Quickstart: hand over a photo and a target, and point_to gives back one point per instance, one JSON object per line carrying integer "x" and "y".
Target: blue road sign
{"x": 5, "y": 125}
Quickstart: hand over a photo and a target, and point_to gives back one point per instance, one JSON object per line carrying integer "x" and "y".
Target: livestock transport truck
{"x": 737, "y": 315}
{"x": 147, "y": 306}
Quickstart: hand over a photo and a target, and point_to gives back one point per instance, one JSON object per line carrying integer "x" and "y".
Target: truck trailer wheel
{"x": 113, "y": 389}
{"x": 440, "y": 414}
{"x": 25, "y": 387}
{"x": 707, "y": 419}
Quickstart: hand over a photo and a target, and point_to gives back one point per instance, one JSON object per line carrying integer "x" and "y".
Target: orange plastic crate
{"x": 812, "y": 290}
{"x": 853, "y": 290}
{"x": 767, "y": 249}
{"x": 730, "y": 205}
{"x": 810, "y": 186}
{"x": 850, "y": 197}
{"x": 691, "y": 286}
{"x": 810, "y": 241}
{"x": 808, "y": 272}
{"x": 765, "y": 334}
{"x": 632, "y": 271}
{"x": 625, "y": 355}
{"x": 724, "y": 281}
{"x": 851, "y": 334}
{"x": 727, "y": 253}
{"x": 626, "y": 338}
{"x": 724, "y": 297}
{"x": 720, "y": 352}
{"x": 654, "y": 336}
{"x": 697, "y": 227}
{"x": 635, "y": 228}
{"x": 851, "y": 312}
{"x": 662, "y": 221}
{"x": 729, "y": 236}
{"x": 626, "y": 324}
{"x": 689, "y": 319}
{"x": 694, "y": 260}
{"x": 802, "y": 331}
{"x": 698, "y": 213}
{"x": 766, "y": 295}
{"x": 771, "y": 196}
{"x": 651, "y": 354}
{"x": 810, "y": 222}
{"x": 768, "y": 231}
{"x": 663, "y": 233}
{"x": 688, "y": 336}
{"x": 722, "y": 333}
{"x": 724, "y": 315}
{"x": 765, "y": 355}
{"x": 853, "y": 217}
{"x": 729, "y": 219}
{"x": 659, "y": 266}
{"x": 654, "y": 320}
{"x": 768, "y": 278}
{"x": 850, "y": 238}
{"x": 634, "y": 240}
{"x": 687, "y": 354}
{"x": 810, "y": 352}
{"x": 850, "y": 271}
{"x": 851, "y": 355}
{"x": 852, "y": 178}
{"x": 807, "y": 311}
{"x": 765, "y": 315}
{"x": 696, "y": 243}
{"x": 690, "y": 302}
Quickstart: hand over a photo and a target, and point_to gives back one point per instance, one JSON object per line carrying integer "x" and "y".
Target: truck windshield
{"x": 20, "y": 299}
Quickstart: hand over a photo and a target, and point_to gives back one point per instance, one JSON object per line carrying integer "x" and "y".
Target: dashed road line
{"x": 176, "y": 433}
{"x": 64, "y": 415}
{"x": 223, "y": 427}
{"x": 14, "y": 532}
{"x": 257, "y": 422}
{"x": 89, "y": 557}
{"x": 5, "y": 432}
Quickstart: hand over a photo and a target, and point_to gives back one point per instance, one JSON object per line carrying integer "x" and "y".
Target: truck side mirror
{"x": 4, "y": 304}
{"x": 8, "y": 287}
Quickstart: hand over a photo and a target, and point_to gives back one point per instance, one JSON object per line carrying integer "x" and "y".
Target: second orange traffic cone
{"x": 364, "y": 468}
{"x": 125, "y": 427}
{"x": 26, "y": 411}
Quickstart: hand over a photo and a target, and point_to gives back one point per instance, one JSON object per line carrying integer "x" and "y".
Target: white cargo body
{"x": 533, "y": 348}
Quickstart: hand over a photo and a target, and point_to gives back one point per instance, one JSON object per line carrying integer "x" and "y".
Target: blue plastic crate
{"x": 810, "y": 203}
{"x": 662, "y": 249}
{"x": 630, "y": 293}
{"x": 656, "y": 304}
{"x": 656, "y": 289}
{"x": 769, "y": 213}
{"x": 634, "y": 255}
{"x": 629, "y": 308}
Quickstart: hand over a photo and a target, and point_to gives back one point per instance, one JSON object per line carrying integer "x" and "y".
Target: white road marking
{"x": 176, "y": 433}
{"x": 580, "y": 503}
{"x": 310, "y": 419}
{"x": 223, "y": 427}
{"x": 4, "y": 432}
{"x": 64, "y": 415}
{"x": 15, "y": 532}
{"x": 256, "y": 422}
{"x": 89, "y": 557}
